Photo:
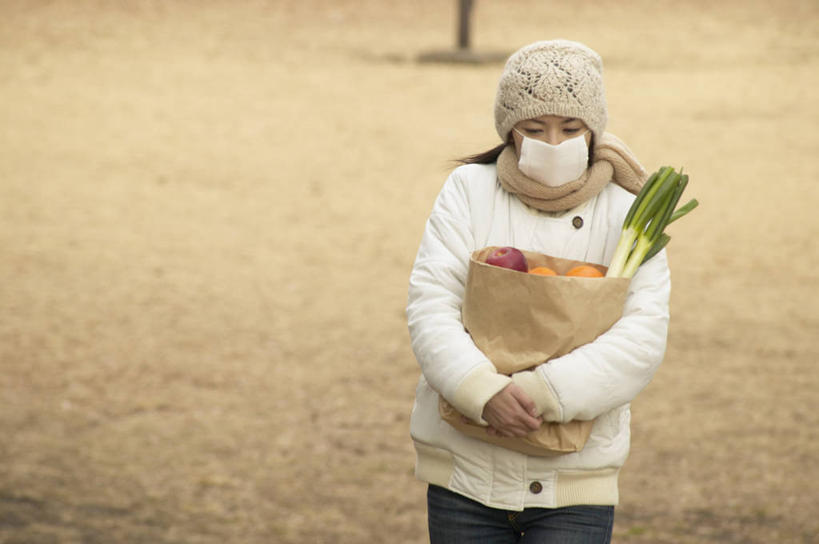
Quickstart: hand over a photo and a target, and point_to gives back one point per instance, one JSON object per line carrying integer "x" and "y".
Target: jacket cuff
{"x": 536, "y": 386}
{"x": 475, "y": 390}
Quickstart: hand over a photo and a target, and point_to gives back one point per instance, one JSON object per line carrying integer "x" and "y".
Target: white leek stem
{"x": 637, "y": 256}
{"x": 621, "y": 253}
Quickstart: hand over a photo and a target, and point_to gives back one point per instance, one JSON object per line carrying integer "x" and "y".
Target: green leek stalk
{"x": 682, "y": 210}
{"x": 642, "y": 236}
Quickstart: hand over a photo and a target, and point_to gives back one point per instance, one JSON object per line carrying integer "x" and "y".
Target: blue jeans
{"x": 455, "y": 519}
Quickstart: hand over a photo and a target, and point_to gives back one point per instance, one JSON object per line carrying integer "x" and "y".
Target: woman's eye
{"x": 533, "y": 130}
{"x": 571, "y": 130}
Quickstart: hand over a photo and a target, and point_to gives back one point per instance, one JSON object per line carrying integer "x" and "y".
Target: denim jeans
{"x": 455, "y": 519}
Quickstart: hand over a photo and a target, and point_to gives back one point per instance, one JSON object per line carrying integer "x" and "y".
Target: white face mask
{"x": 553, "y": 165}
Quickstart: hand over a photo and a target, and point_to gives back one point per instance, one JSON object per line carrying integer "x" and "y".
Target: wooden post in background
{"x": 464, "y": 15}
{"x": 463, "y": 52}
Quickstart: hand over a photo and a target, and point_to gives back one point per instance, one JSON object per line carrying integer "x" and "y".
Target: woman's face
{"x": 552, "y": 129}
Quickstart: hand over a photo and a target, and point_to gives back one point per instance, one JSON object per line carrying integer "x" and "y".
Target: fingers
{"x": 525, "y": 401}
{"x": 527, "y": 410}
{"x": 511, "y": 413}
{"x": 509, "y": 431}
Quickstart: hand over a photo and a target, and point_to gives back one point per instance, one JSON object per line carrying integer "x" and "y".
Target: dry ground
{"x": 209, "y": 210}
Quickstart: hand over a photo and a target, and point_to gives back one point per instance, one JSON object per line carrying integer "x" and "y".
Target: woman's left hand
{"x": 511, "y": 413}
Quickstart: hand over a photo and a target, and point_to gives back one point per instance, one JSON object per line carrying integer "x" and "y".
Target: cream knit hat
{"x": 557, "y": 77}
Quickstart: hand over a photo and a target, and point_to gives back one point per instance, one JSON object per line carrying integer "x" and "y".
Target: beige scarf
{"x": 613, "y": 161}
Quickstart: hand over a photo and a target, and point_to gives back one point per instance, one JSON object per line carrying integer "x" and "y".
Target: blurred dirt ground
{"x": 209, "y": 210}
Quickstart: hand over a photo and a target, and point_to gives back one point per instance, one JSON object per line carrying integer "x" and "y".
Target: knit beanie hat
{"x": 556, "y": 77}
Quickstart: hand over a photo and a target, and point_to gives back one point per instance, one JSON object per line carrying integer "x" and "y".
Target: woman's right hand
{"x": 511, "y": 413}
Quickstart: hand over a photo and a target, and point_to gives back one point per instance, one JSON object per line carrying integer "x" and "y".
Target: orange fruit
{"x": 543, "y": 271}
{"x": 585, "y": 271}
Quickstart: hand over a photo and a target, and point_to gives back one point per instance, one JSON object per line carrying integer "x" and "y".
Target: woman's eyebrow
{"x": 563, "y": 122}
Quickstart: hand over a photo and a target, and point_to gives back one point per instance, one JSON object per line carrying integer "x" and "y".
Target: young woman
{"x": 557, "y": 184}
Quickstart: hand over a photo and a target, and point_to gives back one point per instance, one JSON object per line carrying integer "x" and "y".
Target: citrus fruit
{"x": 543, "y": 271}
{"x": 585, "y": 271}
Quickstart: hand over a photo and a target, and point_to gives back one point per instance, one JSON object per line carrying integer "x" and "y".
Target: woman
{"x": 559, "y": 185}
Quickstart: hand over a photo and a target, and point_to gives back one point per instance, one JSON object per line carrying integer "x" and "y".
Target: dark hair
{"x": 491, "y": 156}
{"x": 486, "y": 157}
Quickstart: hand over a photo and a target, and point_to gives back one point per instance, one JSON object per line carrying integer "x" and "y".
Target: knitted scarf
{"x": 612, "y": 161}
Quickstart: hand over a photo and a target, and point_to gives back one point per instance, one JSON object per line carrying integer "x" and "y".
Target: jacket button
{"x": 536, "y": 487}
{"x": 577, "y": 221}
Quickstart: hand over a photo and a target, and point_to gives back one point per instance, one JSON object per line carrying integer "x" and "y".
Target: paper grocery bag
{"x": 521, "y": 320}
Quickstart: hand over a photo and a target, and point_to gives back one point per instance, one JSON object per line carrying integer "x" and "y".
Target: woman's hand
{"x": 511, "y": 412}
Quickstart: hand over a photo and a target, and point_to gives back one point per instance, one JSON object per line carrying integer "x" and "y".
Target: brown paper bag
{"x": 521, "y": 320}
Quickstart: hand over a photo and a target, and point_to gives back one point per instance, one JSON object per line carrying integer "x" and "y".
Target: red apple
{"x": 508, "y": 257}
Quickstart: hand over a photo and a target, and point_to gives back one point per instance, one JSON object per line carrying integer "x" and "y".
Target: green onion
{"x": 661, "y": 242}
{"x": 682, "y": 210}
{"x": 642, "y": 236}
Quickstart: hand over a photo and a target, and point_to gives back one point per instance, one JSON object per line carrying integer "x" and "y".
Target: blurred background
{"x": 209, "y": 211}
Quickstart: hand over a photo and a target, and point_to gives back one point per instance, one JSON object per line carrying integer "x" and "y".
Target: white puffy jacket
{"x": 595, "y": 381}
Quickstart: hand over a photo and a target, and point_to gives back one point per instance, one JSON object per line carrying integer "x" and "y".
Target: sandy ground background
{"x": 209, "y": 211}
